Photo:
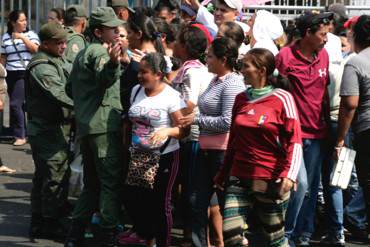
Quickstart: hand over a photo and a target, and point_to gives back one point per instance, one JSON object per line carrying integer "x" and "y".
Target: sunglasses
{"x": 317, "y": 21}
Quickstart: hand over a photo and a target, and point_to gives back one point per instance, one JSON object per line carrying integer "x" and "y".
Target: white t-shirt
{"x": 13, "y": 61}
{"x": 336, "y": 66}
{"x": 149, "y": 114}
{"x": 194, "y": 83}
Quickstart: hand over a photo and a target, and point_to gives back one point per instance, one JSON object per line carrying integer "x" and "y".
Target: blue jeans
{"x": 333, "y": 195}
{"x": 16, "y": 92}
{"x": 301, "y": 210}
{"x": 208, "y": 166}
{"x": 295, "y": 202}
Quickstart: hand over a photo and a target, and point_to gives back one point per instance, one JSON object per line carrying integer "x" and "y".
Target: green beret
{"x": 104, "y": 16}
{"x": 52, "y": 30}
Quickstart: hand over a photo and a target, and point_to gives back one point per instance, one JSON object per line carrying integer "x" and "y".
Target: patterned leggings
{"x": 253, "y": 215}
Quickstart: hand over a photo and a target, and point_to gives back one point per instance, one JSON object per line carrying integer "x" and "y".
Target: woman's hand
{"x": 193, "y": 3}
{"x": 219, "y": 181}
{"x": 137, "y": 55}
{"x": 187, "y": 120}
{"x": 1, "y": 105}
{"x": 17, "y": 36}
{"x": 159, "y": 136}
{"x": 285, "y": 186}
{"x": 125, "y": 59}
{"x": 115, "y": 52}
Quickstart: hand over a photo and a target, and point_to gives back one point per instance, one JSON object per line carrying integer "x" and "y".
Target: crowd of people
{"x": 243, "y": 120}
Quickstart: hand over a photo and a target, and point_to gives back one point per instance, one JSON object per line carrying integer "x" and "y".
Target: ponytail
{"x": 279, "y": 81}
{"x": 157, "y": 40}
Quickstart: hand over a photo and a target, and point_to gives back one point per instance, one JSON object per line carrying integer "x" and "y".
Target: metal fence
{"x": 37, "y": 10}
{"x": 290, "y": 9}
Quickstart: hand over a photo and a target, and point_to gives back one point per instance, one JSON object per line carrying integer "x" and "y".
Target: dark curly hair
{"x": 194, "y": 40}
{"x": 361, "y": 31}
{"x": 156, "y": 62}
{"x": 165, "y": 29}
{"x": 13, "y": 17}
{"x": 139, "y": 22}
{"x": 232, "y": 31}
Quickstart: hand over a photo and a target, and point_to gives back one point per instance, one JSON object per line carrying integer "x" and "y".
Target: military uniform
{"x": 95, "y": 90}
{"x": 47, "y": 104}
{"x": 76, "y": 42}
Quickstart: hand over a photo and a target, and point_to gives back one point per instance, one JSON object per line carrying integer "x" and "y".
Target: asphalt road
{"x": 15, "y": 204}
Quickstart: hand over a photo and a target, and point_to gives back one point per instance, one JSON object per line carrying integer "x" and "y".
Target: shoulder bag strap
{"x": 136, "y": 93}
{"x": 164, "y": 146}
{"x": 18, "y": 53}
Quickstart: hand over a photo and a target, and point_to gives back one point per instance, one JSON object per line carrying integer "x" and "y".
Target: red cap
{"x": 205, "y": 31}
{"x": 351, "y": 22}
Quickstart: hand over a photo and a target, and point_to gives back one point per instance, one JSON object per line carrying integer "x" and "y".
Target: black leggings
{"x": 151, "y": 210}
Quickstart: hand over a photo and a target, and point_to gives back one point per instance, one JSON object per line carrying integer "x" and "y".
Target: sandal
{"x": 20, "y": 142}
{"x": 5, "y": 169}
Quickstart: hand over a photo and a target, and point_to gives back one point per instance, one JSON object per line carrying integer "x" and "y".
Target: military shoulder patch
{"x": 101, "y": 63}
{"x": 75, "y": 48}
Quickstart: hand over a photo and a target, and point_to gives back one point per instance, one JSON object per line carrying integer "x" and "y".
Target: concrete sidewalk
{"x": 15, "y": 198}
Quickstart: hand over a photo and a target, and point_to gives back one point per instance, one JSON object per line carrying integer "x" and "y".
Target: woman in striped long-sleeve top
{"x": 214, "y": 119}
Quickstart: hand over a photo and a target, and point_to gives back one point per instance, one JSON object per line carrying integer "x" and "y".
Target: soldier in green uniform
{"x": 95, "y": 88}
{"x": 76, "y": 23}
{"x": 122, "y": 9}
{"x": 47, "y": 103}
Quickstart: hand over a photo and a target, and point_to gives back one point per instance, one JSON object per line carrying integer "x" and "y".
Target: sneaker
{"x": 336, "y": 240}
{"x": 125, "y": 234}
{"x": 36, "y": 225}
{"x": 132, "y": 239}
{"x": 303, "y": 241}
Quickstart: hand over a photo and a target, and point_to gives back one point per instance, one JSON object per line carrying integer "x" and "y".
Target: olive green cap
{"x": 122, "y": 3}
{"x": 77, "y": 10}
{"x": 104, "y": 16}
{"x": 52, "y": 30}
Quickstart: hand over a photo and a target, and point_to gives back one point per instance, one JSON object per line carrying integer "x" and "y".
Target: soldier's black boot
{"x": 109, "y": 237}
{"x": 36, "y": 224}
{"x": 75, "y": 235}
{"x": 54, "y": 228}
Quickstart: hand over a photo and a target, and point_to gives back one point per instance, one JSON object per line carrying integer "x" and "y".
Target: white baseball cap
{"x": 235, "y": 4}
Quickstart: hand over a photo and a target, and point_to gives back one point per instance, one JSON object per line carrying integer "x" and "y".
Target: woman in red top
{"x": 263, "y": 156}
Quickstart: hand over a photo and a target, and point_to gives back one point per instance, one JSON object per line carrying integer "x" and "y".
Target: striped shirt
{"x": 216, "y": 103}
{"x": 13, "y": 62}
